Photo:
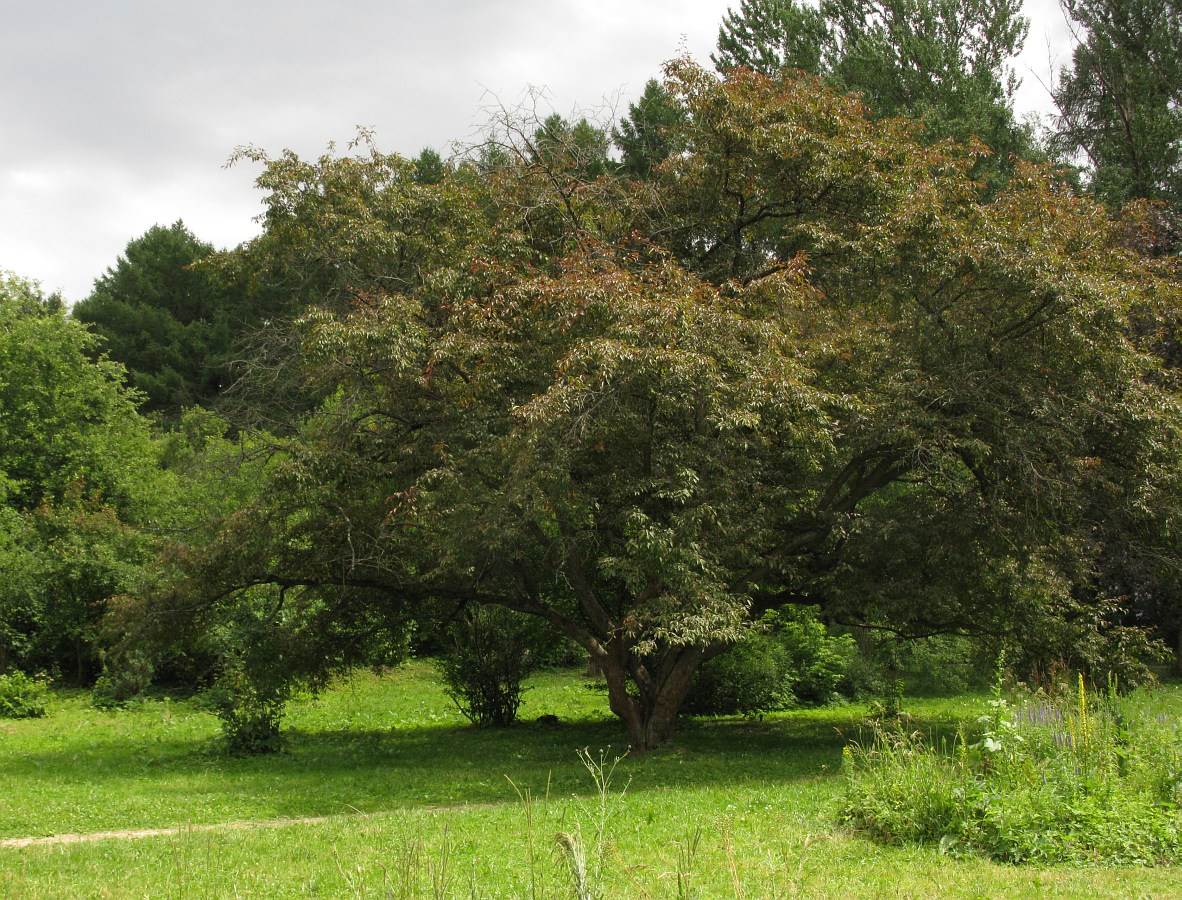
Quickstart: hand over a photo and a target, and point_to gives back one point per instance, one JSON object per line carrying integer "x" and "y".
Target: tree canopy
{"x": 171, "y": 322}
{"x": 649, "y": 134}
{"x": 807, "y": 360}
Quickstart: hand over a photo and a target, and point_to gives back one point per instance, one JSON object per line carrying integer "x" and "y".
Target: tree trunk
{"x": 658, "y": 688}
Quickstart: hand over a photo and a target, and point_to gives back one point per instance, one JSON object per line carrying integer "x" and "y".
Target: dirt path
{"x": 130, "y": 833}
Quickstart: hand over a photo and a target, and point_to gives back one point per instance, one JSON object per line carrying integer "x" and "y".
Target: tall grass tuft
{"x": 586, "y": 871}
{"x": 1065, "y": 776}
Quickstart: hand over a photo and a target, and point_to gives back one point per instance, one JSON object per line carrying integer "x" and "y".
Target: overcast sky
{"x": 121, "y": 114}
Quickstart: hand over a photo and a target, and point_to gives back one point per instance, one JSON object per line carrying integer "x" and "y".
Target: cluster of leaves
{"x": 1120, "y": 104}
{"x": 950, "y": 65}
{"x": 939, "y": 665}
{"x": 78, "y": 486}
{"x": 124, "y": 679}
{"x": 1066, "y": 777}
{"x": 250, "y": 713}
{"x": 173, "y": 322}
{"x": 945, "y": 63}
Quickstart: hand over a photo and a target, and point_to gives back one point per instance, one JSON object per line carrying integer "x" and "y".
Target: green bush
{"x": 22, "y": 697}
{"x": 750, "y": 678}
{"x": 1046, "y": 778}
{"x": 936, "y": 666}
{"x": 250, "y": 710}
{"x": 940, "y": 666}
{"x": 817, "y": 660}
{"x": 793, "y": 659}
{"x": 488, "y": 654}
{"x": 124, "y": 680}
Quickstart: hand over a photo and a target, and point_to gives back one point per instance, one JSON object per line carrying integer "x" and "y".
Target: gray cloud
{"x": 120, "y": 115}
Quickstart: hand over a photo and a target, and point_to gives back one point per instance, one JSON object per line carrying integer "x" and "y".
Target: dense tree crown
{"x": 651, "y": 132}
{"x": 803, "y": 360}
{"x": 768, "y": 36}
{"x": 76, "y": 481}
{"x": 168, "y": 320}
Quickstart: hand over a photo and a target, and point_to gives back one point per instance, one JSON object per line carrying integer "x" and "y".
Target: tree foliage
{"x": 488, "y": 653}
{"x": 651, "y": 132}
{"x": 76, "y": 485}
{"x": 769, "y": 36}
{"x": 167, "y": 320}
{"x": 945, "y": 63}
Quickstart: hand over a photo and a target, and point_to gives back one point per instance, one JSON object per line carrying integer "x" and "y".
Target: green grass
{"x": 733, "y": 808}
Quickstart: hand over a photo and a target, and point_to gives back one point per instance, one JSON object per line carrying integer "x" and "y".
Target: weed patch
{"x": 1066, "y": 777}
{"x": 22, "y": 697}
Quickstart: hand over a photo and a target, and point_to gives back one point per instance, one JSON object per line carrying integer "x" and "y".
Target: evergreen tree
{"x": 579, "y": 148}
{"x": 768, "y": 36}
{"x": 429, "y": 167}
{"x": 649, "y": 134}
{"x": 942, "y": 62}
{"x": 1120, "y": 101}
{"x": 165, "y": 319}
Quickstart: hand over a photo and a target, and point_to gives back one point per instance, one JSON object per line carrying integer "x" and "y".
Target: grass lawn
{"x": 409, "y": 801}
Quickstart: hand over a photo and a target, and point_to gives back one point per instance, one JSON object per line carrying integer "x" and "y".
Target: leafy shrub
{"x": 22, "y": 697}
{"x": 1063, "y": 778}
{"x": 750, "y": 678}
{"x": 1090, "y": 637}
{"x": 489, "y": 653}
{"x": 250, "y": 710}
{"x": 125, "y": 678}
{"x": 940, "y": 665}
{"x": 794, "y": 659}
{"x": 817, "y": 659}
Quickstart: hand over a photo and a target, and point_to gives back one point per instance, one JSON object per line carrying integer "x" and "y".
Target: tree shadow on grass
{"x": 329, "y": 771}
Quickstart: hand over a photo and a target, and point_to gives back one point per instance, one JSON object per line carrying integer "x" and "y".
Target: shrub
{"x": 940, "y": 665}
{"x": 817, "y": 660}
{"x": 22, "y": 697}
{"x": 250, "y": 710}
{"x": 124, "y": 680}
{"x": 749, "y": 678}
{"x": 489, "y": 652}
{"x": 793, "y": 659}
{"x": 1049, "y": 778}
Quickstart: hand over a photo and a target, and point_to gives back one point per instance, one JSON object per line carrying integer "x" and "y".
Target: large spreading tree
{"x": 805, "y": 360}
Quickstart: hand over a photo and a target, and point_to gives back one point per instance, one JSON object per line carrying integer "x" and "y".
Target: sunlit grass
{"x": 421, "y": 804}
